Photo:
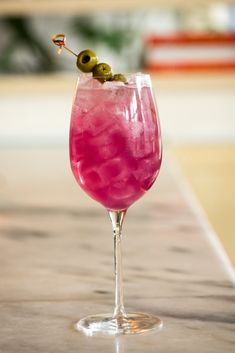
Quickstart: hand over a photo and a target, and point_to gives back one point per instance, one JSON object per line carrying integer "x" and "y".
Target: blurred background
{"x": 187, "y": 46}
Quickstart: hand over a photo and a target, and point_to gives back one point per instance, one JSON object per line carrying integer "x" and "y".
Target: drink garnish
{"x": 119, "y": 77}
{"x": 87, "y": 61}
{"x": 102, "y": 72}
{"x": 60, "y": 41}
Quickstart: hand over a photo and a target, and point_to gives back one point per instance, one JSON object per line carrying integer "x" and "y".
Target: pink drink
{"x": 115, "y": 148}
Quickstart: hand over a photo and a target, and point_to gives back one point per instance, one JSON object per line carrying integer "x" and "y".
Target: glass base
{"x": 130, "y": 324}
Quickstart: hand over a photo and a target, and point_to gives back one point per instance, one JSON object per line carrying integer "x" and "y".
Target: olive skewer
{"x": 87, "y": 61}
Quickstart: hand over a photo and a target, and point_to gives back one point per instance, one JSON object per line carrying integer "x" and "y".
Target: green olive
{"x": 119, "y": 77}
{"x": 102, "y": 72}
{"x": 87, "y": 60}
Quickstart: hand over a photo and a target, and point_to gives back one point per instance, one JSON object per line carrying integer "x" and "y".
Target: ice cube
{"x": 147, "y": 171}
{"x": 89, "y": 176}
{"x": 76, "y": 146}
{"x": 144, "y": 144}
{"x": 97, "y": 120}
{"x": 88, "y": 82}
{"x": 126, "y": 188}
{"x": 112, "y": 170}
{"x": 112, "y": 85}
{"x": 136, "y": 128}
{"x": 110, "y": 143}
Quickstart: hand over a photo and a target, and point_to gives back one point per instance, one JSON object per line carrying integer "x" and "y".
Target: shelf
{"x": 195, "y": 80}
{"x": 65, "y": 83}
{"x": 45, "y": 7}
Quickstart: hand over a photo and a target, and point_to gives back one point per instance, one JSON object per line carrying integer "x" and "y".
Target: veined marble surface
{"x": 57, "y": 264}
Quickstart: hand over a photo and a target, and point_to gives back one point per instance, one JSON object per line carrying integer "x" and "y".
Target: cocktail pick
{"x": 87, "y": 61}
{"x": 60, "y": 41}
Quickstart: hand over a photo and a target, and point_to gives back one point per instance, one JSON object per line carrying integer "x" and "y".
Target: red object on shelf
{"x": 190, "y": 52}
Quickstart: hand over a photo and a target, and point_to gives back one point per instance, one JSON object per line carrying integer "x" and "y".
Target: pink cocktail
{"x": 115, "y": 146}
{"x": 115, "y": 154}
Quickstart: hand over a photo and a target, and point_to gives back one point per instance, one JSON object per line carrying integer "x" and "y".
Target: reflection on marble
{"x": 56, "y": 265}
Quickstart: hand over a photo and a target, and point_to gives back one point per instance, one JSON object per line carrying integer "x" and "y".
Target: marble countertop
{"x": 57, "y": 263}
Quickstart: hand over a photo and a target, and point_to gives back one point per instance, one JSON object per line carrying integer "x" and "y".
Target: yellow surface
{"x": 16, "y": 7}
{"x": 210, "y": 170}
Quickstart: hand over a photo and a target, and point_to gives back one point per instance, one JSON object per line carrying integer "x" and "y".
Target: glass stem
{"x": 117, "y": 218}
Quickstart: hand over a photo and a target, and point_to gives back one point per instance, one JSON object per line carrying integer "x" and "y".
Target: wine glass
{"x": 115, "y": 154}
